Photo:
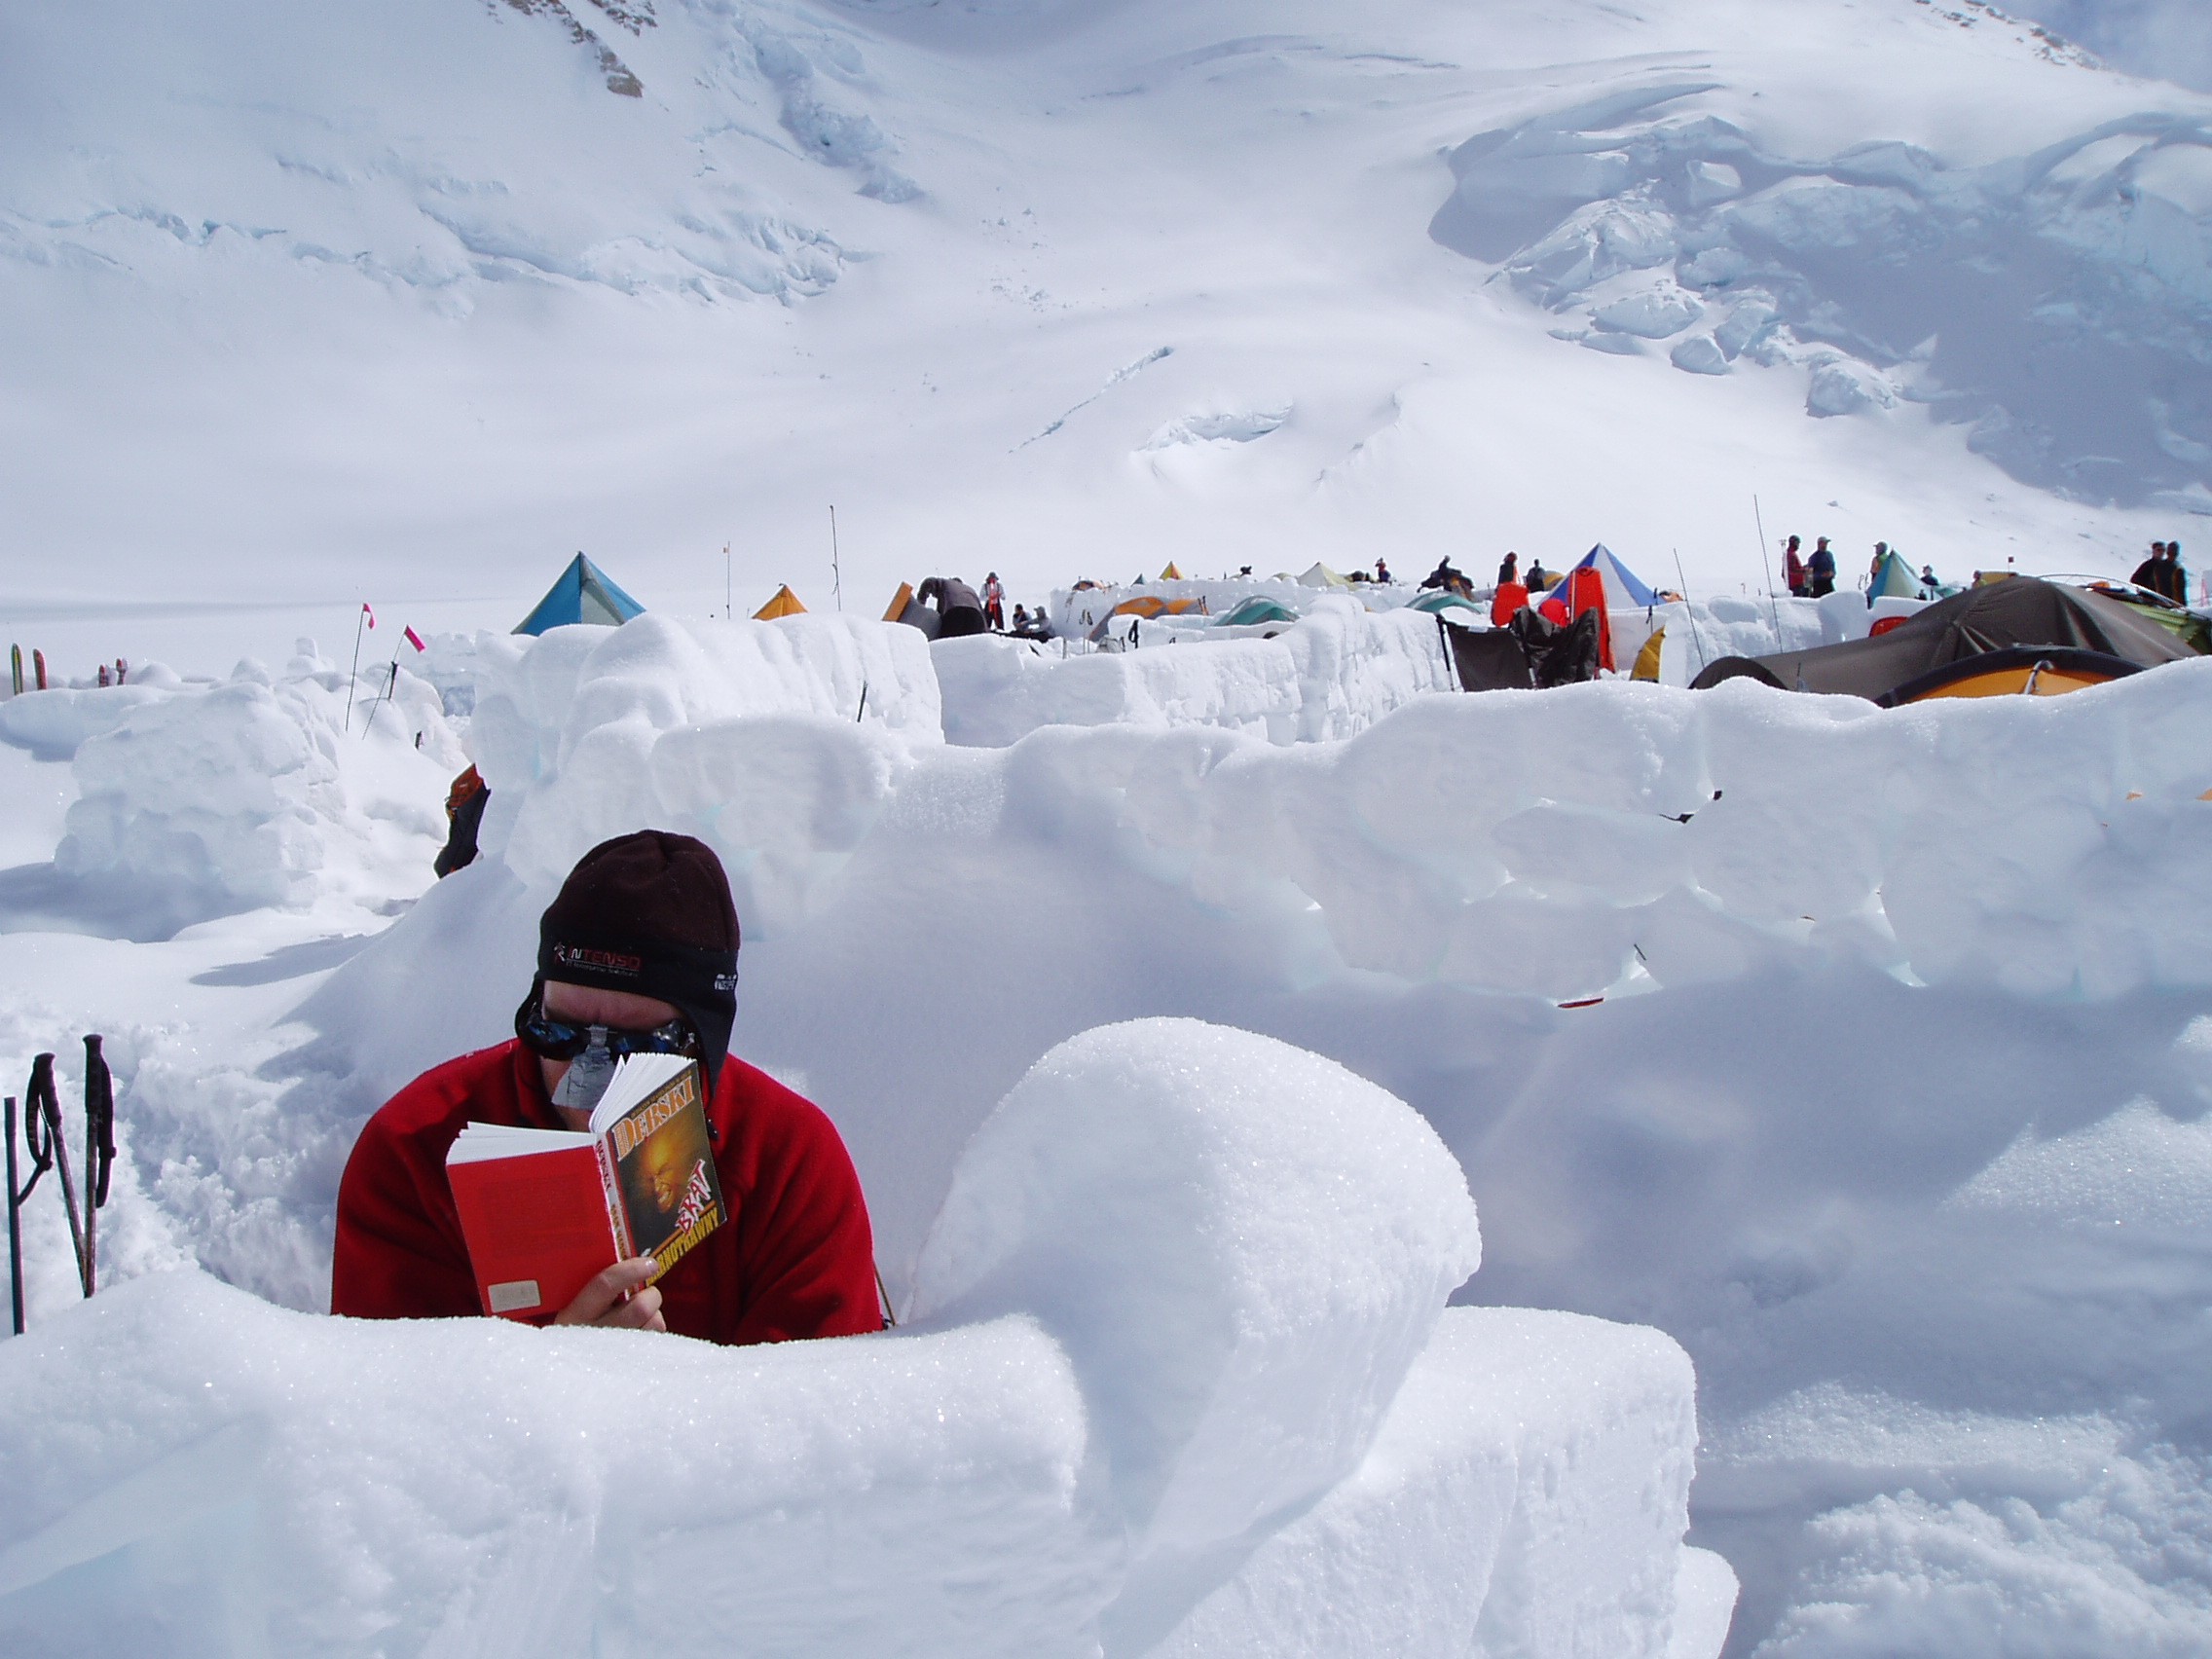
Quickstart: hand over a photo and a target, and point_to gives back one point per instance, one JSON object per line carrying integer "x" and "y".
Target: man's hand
{"x": 607, "y": 1300}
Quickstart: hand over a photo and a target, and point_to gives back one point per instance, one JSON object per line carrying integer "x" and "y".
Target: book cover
{"x": 544, "y": 1210}
{"x": 668, "y": 1195}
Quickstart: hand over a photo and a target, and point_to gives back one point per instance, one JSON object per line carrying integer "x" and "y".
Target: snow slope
{"x": 413, "y": 302}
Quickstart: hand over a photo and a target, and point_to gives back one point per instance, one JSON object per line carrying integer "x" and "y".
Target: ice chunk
{"x": 1656, "y": 313}
{"x": 1699, "y": 355}
{"x": 1242, "y": 1245}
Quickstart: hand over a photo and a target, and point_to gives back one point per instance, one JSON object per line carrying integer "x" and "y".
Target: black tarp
{"x": 1489, "y": 660}
{"x": 2018, "y": 611}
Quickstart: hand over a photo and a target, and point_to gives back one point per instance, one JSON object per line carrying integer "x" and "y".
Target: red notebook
{"x": 543, "y": 1211}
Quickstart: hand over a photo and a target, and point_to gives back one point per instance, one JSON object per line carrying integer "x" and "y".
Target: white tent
{"x": 1322, "y": 576}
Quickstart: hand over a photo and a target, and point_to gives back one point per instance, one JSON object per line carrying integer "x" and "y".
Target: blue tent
{"x": 1619, "y": 580}
{"x": 583, "y": 594}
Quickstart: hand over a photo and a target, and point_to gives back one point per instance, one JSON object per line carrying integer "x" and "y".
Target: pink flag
{"x": 368, "y": 612}
{"x": 414, "y": 639}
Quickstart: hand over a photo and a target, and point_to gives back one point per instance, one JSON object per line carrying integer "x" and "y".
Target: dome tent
{"x": 785, "y": 604}
{"x": 582, "y": 594}
{"x": 2000, "y": 627}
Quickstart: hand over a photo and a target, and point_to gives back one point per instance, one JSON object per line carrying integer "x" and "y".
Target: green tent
{"x": 583, "y": 594}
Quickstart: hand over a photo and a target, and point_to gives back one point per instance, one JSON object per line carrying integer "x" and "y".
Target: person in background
{"x": 464, "y": 815}
{"x": 2176, "y": 574}
{"x": 1508, "y": 572}
{"x": 994, "y": 603}
{"x": 1444, "y": 578}
{"x": 637, "y": 954}
{"x": 1928, "y": 582}
{"x": 1535, "y": 576}
{"x": 1874, "y": 568}
{"x": 957, "y": 605}
{"x": 1793, "y": 569}
{"x": 1020, "y": 618}
{"x": 2151, "y": 572}
{"x": 1820, "y": 569}
{"x": 1382, "y": 571}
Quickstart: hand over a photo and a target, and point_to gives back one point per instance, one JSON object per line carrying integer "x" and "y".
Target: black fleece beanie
{"x": 650, "y": 913}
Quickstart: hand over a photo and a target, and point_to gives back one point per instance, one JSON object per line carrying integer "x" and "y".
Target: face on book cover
{"x": 586, "y": 1005}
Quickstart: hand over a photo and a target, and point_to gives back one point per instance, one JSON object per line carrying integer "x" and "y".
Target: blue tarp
{"x": 1604, "y": 560}
{"x": 583, "y": 594}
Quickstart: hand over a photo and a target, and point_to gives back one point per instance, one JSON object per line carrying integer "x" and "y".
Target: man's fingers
{"x": 642, "y": 1312}
{"x": 602, "y": 1302}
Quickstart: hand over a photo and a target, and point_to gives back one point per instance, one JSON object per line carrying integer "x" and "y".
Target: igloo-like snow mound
{"x": 1236, "y": 1254}
{"x": 1242, "y": 1246}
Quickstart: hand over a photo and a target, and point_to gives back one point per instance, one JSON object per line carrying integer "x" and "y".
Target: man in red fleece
{"x": 637, "y": 952}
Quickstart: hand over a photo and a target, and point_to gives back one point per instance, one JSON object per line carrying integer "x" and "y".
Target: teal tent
{"x": 1896, "y": 579}
{"x": 583, "y": 594}
{"x": 1259, "y": 607}
{"x": 1444, "y": 600}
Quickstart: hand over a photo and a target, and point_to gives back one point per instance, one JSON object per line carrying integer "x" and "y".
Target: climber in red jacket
{"x": 637, "y": 952}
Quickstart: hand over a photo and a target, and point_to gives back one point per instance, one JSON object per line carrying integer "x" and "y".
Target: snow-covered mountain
{"x": 418, "y": 298}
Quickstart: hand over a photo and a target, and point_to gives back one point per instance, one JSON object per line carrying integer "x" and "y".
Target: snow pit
{"x": 1237, "y": 1254}
{"x": 1242, "y": 1247}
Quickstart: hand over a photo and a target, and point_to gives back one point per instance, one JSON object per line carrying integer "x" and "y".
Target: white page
{"x": 636, "y": 1076}
{"x": 479, "y": 1143}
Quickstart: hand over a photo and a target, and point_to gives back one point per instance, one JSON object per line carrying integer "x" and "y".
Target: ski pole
{"x": 99, "y": 1151}
{"x": 354, "y": 675}
{"x": 44, "y": 1104}
{"x": 1702, "y": 659}
{"x": 1772, "y": 604}
{"x": 15, "y": 1224}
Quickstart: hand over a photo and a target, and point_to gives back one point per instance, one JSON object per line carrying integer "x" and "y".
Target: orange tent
{"x": 900, "y": 601}
{"x": 785, "y": 604}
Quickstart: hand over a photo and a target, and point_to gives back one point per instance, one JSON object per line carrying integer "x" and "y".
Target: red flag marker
{"x": 414, "y": 639}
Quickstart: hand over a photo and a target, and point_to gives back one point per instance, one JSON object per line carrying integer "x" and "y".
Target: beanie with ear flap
{"x": 650, "y": 913}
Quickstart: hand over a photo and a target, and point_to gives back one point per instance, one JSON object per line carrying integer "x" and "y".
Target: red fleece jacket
{"x": 794, "y": 1259}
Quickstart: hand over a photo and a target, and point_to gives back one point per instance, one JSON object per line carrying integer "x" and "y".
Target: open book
{"x": 543, "y": 1211}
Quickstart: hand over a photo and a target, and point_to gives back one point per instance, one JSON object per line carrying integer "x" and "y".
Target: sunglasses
{"x": 562, "y": 1040}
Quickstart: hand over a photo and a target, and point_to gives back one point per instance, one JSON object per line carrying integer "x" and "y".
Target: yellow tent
{"x": 1647, "y": 660}
{"x": 785, "y": 604}
{"x": 900, "y": 601}
{"x": 1171, "y": 574}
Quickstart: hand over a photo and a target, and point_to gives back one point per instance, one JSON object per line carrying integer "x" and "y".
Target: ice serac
{"x": 1242, "y": 1247}
{"x": 1525, "y": 1494}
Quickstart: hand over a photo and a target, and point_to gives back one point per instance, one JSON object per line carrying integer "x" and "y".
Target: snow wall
{"x": 1336, "y": 671}
{"x": 1181, "y": 1366}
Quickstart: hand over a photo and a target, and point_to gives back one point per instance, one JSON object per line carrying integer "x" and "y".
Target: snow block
{"x": 53, "y": 725}
{"x": 567, "y": 725}
{"x": 1335, "y": 671}
{"x": 193, "y": 1472}
{"x": 1525, "y": 1494}
{"x": 1242, "y": 1245}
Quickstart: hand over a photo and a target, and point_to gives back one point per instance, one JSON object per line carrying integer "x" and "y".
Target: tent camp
{"x": 1625, "y": 590}
{"x": 2017, "y": 635}
{"x": 785, "y": 604}
{"x": 583, "y": 594}
{"x": 1322, "y": 576}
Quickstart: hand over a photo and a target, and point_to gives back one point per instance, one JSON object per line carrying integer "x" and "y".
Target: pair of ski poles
{"x": 49, "y": 1150}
